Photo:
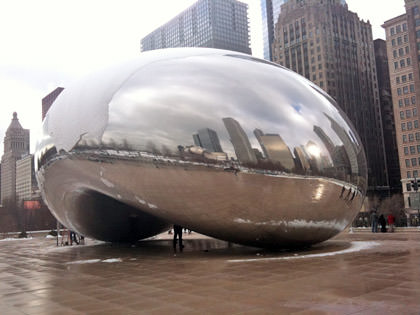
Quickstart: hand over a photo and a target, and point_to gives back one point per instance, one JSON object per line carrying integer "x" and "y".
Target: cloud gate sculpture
{"x": 220, "y": 142}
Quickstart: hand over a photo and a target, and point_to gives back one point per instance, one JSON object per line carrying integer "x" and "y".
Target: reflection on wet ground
{"x": 359, "y": 273}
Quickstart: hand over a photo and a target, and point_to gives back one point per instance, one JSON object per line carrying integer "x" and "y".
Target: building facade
{"x": 48, "y": 100}
{"x": 332, "y": 47}
{"x": 403, "y": 45}
{"x": 388, "y": 119}
{"x": 219, "y": 24}
{"x": 270, "y": 10}
{"x": 25, "y": 179}
{"x": 16, "y": 145}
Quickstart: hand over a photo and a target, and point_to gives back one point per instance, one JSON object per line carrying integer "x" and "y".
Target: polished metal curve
{"x": 220, "y": 142}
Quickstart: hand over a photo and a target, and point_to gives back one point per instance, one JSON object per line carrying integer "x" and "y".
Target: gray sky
{"x": 50, "y": 43}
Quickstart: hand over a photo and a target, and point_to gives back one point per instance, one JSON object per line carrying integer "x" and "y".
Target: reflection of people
{"x": 73, "y": 238}
{"x": 374, "y": 221}
{"x": 178, "y": 235}
{"x": 391, "y": 222}
{"x": 382, "y": 222}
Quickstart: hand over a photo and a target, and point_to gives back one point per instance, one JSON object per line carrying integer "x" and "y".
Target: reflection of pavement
{"x": 211, "y": 276}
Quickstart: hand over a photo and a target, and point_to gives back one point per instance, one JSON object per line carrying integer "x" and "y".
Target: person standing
{"x": 391, "y": 222}
{"x": 382, "y": 222}
{"x": 374, "y": 221}
{"x": 178, "y": 235}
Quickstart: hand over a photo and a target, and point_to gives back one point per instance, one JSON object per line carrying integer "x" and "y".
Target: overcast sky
{"x": 50, "y": 43}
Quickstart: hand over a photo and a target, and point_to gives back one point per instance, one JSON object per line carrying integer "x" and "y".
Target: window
{"x": 416, "y": 124}
{"x": 401, "y": 52}
{"x": 407, "y": 50}
{"x": 393, "y": 42}
{"x": 410, "y": 137}
{"x": 413, "y": 101}
{"x": 400, "y": 103}
{"x": 407, "y": 162}
{"x": 404, "y": 78}
{"x": 402, "y": 114}
{"x": 414, "y": 162}
{"x": 395, "y": 65}
{"x": 404, "y": 138}
{"x": 402, "y": 63}
{"x": 404, "y": 27}
{"x": 407, "y": 113}
{"x": 406, "y": 101}
{"x": 412, "y": 88}
{"x": 405, "y": 150}
{"x": 410, "y": 76}
{"x": 414, "y": 112}
{"x": 397, "y": 79}
{"x": 405, "y": 89}
{"x": 399, "y": 91}
{"x": 395, "y": 54}
{"x": 408, "y": 185}
{"x": 417, "y": 135}
{"x": 398, "y": 28}
{"x": 403, "y": 127}
{"x": 418, "y": 148}
{"x": 415, "y": 173}
{"x": 399, "y": 40}
{"x": 409, "y": 125}
{"x": 392, "y": 31}
{"x": 412, "y": 149}
{"x": 408, "y": 61}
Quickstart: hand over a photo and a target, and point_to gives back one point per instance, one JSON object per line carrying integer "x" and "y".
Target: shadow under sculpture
{"x": 225, "y": 144}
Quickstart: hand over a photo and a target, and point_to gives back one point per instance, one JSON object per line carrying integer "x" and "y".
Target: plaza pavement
{"x": 354, "y": 273}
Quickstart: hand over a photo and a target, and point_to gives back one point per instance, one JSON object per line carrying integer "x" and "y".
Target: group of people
{"x": 375, "y": 220}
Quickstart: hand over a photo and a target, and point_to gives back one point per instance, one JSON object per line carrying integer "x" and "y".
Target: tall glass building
{"x": 270, "y": 10}
{"x": 219, "y": 24}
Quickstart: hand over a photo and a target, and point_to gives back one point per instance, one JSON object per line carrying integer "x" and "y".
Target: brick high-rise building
{"x": 403, "y": 45}
{"x": 330, "y": 45}
{"x": 219, "y": 24}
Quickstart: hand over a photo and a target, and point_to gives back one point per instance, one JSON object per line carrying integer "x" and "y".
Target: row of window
{"x": 410, "y": 137}
{"x": 402, "y": 63}
{"x": 412, "y": 162}
{"x": 398, "y": 29}
{"x": 401, "y": 52}
{"x": 412, "y": 150}
{"x": 407, "y": 113}
{"x": 415, "y": 175}
{"x": 407, "y": 102}
{"x": 403, "y": 78}
{"x": 409, "y": 125}
{"x": 405, "y": 89}
{"x": 399, "y": 40}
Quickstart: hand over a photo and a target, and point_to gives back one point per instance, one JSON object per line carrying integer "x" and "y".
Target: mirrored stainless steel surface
{"x": 222, "y": 143}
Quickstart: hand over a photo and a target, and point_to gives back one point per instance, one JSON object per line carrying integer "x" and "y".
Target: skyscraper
{"x": 275, "y": 149}
{"x": 240, "y": 141}
{"x": 219, "y": 24}
{"x": 270, "y": 10}
{"x": 49, "y": 99}
{"x": 402, "y": 41}
{"x": 387, "y": 112}
{"x": 16, "y": 145}
{"x": 331, "y": 46}
{"x": 207, "y": 138}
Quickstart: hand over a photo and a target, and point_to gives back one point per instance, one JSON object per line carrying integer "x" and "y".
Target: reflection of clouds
{"x": 165, "y": 102}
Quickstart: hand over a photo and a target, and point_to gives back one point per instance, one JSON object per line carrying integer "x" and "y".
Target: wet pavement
{"x": 354, "y": 273}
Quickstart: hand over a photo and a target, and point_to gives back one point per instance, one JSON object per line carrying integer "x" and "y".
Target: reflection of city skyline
{"x": 241, "y": 145}
{"x": 275, "y": 149}
{"x": 208, "y": 139}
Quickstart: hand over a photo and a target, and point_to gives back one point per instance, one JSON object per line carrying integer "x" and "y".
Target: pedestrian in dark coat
{"x": 178, "y": 235}
{"x": 382, "y": 222}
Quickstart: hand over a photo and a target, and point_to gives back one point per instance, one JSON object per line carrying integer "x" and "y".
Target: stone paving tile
{"x": 36, "y": 277}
